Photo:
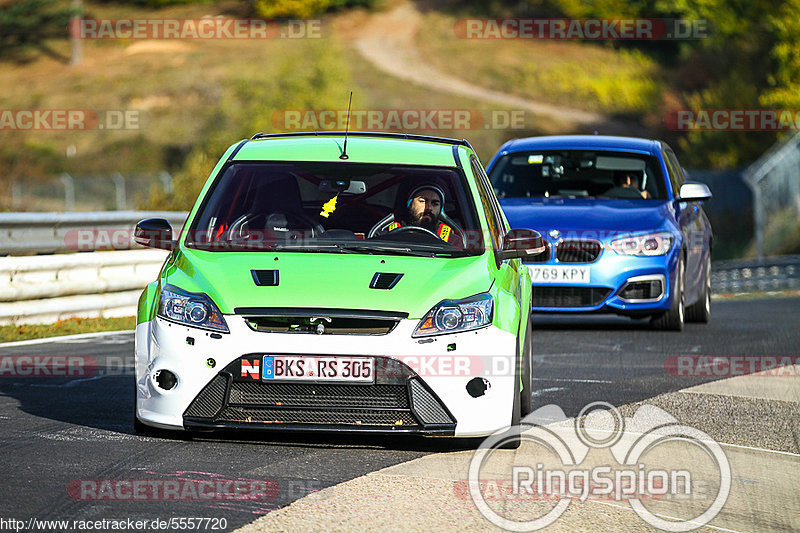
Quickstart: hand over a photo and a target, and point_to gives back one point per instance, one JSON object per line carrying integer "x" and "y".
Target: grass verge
{"x": 70, "y": 326}
{"x": 179, "y": 89}
{"x": 572, "y": 74}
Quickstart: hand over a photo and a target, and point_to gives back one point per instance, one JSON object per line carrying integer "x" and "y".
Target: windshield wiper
{"x": 405, "y": 250}
{"x": 326, "y": 247}
{"x": 336, "y": 247}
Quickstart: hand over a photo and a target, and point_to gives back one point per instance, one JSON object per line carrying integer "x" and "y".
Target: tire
{"x": 673, "y": 319}
{"x": 510, "y": 439}
{"x": 700, "y": 311}
{"x": 526, "y": 395}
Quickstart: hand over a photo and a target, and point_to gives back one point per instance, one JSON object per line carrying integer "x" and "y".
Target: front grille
{"x": 311, "y": 395}
{"x": 642, "y": 290}
{"x": 578, "y": 251}
{"x": 320, "y": 321}
{"x": 210, "y": 400}
{"x": 321, "y": 325}
{"x": 354, "y": 417}
{"x": 398, "y": 398}
{"x": 544, "y": 296}
{"x": 428, "y": 409}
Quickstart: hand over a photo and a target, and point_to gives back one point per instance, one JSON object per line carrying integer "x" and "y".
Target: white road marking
{"x": 666, "y": 516}
{"x": 544, "y": 391}
{"x": 574, "y": 380}
{"x": 74, "y": 382}
{"x": 84, "y": 434}
{"x": 66, "y": 338}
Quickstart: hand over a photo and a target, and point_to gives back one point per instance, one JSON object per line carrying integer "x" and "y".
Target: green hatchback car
{"x": 324, "y": 282}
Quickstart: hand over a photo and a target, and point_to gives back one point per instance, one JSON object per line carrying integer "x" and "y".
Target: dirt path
{"x": 388, "y": 41}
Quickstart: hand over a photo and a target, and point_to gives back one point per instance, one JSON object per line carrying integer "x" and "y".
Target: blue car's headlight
{"x": 452, "y": 316}
{"x": 649, "y": 244}
{"x": 192, "y": 309}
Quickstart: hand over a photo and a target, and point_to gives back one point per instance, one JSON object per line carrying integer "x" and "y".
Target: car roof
{"x": 362, "y": 147}
{"x": 580, "y": 142}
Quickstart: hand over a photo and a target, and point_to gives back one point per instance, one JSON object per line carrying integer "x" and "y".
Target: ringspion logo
{"x": 645, "y": 458}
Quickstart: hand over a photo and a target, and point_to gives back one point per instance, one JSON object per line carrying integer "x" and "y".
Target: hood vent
{"x": 384, "y": 280}
{"x": 265, "y": 278}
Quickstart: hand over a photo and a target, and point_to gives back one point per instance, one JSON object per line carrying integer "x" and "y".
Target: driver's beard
{"x": 427, "y": 222}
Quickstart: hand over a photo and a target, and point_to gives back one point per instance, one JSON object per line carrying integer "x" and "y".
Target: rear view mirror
{"x": 343, "y": 186}
{"x": 521, "y": 243}
{"x": 154, "y": 233}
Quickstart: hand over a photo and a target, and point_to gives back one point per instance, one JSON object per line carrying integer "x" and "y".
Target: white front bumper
{"x": 446, "y": 363}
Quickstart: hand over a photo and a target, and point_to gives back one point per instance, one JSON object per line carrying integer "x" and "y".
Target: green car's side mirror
{"x": 521, "y": 243}
{"x": 154, "y": 233}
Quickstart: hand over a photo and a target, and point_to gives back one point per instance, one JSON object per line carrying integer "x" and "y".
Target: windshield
{"x": 338, "y": 208}
{"x": 578, "y": 173}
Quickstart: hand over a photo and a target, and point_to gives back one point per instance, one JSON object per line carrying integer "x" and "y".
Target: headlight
{"x": 644, "y": 245}
{"x": 452, "y": 316}
{"x": 192, "y": 309}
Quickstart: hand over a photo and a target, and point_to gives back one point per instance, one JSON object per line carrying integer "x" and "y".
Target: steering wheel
{"x": 416, "y": 228}
{"x": 316, "y": 228}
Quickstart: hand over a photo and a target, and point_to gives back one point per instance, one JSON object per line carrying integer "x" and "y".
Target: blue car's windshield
{"x": 578, "y": 173}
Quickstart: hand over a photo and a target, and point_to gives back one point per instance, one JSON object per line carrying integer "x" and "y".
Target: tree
{"x": 28, "y": 23}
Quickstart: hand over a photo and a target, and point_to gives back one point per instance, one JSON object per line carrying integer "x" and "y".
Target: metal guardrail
{"x": 775, "y": 181}
{"x": 42, "y": 289}
{"x": 756, "y": 275}
{"x": 37, "y": 233}
{"x": 46, "y": 288}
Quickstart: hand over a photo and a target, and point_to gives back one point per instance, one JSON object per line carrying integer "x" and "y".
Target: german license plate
{"x": 559, "y": 274}
{"x": 318, "y": 368}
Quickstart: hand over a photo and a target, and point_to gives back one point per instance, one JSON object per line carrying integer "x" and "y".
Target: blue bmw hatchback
{"x": 625, "y": 229}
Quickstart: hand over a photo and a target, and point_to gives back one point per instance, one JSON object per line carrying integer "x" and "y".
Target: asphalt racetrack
{"x": 62, "y": 436}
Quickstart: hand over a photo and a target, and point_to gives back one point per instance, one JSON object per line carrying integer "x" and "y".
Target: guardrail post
{"x": 16, "y": 195}
{"x": 758, "y": 215}
{"x": 166, "y": 181}
{"x": 119, "y": 183}
{"x": 69, "y": 191}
